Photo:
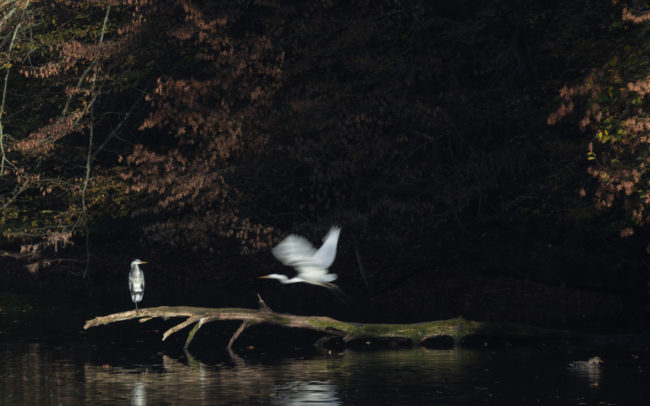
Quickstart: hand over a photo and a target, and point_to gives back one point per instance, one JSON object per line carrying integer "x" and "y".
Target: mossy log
{"x": 434, "y": 334}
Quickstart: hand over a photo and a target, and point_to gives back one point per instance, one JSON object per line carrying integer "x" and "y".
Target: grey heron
{"x": 136, "y": 281}
{"x": 311, "y": 264}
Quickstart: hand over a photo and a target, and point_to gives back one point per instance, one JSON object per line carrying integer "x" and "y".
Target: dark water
{"x": 46, "y": 367}
{"x": 41, "y": 374}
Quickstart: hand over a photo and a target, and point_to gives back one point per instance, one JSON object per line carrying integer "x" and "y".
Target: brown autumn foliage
{"x": 208, "y": 112}
{"x": 613, "y": 98}
{"x": 53, "y": 188}
{"x": 264, "y": 117}
{"x": 290, "y": 116}
{"x": 220, "y": 126}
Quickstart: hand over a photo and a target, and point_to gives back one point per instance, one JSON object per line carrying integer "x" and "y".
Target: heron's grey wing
{"x": 136, "y": 282}
{"x": 294, "y": 251}
{"x": 325, "y": 255}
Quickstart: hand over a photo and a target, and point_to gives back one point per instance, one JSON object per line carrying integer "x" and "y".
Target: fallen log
{"x": 434, "y": 334}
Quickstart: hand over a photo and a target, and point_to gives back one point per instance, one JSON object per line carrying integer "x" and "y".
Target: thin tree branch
{"x": 113, "y": 133}
{"x": 237, "y": 333}
{"x": 180, "y": 326}
{"x": 89, "y": 154}
{"x": 3, "y": 158}
{"x": 11, "y": 12}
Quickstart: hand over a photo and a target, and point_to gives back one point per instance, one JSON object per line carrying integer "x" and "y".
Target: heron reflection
{"x": 138, "y": 394}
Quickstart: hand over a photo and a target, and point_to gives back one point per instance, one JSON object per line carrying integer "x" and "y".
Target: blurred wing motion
{"x": 327, "y": 252}
{"x": 294, "y": 251}
{"x": 311, "y": 264}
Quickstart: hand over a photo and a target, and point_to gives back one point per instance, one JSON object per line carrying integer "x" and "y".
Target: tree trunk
{"x": 434, "y": 334}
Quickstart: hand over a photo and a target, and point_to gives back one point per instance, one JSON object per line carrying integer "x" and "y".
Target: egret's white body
{"x": 136, "y": 282}
{"x": 312, "y": 265}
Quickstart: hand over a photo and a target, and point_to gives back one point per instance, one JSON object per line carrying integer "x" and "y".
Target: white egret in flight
{"x": 136, "y": 282}
{"x": 311, "y": 264}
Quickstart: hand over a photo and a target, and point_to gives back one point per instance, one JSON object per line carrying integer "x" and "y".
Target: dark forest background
{"x": 484, "y": 158}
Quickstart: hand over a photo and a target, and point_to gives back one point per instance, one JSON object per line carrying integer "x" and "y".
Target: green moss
{"x": 278, "y": 319}
{"x": 191, "y": 334}
{"x": 331, "y": 323}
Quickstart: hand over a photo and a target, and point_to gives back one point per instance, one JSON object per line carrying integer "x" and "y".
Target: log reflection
{"x": 36, "y": 376}
{"x": 44, "y": 375}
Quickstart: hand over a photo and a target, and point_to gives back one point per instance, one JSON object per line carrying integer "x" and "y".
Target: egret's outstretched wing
{"x": 325, "y": 255}
{"x": 294, "y": 251}
{"x": 311, "y": 264}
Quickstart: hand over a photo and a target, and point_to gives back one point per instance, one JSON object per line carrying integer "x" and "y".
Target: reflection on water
{"x": 305, "y": 393}
{"x": 138, "y": 394}
{"x": 588, "y": 372}
{"x": 35, "y": 374}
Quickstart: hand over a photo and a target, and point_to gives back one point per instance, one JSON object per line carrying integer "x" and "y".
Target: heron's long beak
{"x": 143, "y": 262}
{"x": 263, "y": 277}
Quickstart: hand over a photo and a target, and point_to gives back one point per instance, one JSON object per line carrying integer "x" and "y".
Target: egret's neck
{"x": 282, "y": 278}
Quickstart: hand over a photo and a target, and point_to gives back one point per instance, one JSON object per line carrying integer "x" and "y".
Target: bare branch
{"x": 180, "y": 326}
{"x": 237, "y": 333}
{"x": 457, "y": 331}
{"x": 90, "y": 154}
{"x": 3, "y": 158}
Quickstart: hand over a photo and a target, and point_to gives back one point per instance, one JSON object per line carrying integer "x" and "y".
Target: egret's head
{"x": 138, "y": 262}
{"x": 277, "y": 276}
